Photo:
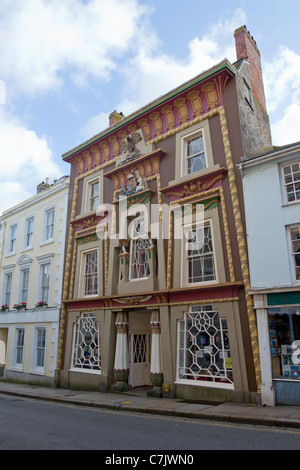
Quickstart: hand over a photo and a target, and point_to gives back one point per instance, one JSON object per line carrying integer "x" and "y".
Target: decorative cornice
{"x": 225, "y": 68}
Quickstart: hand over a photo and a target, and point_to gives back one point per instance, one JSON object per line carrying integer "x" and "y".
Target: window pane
{"x": 20, "y": 346}
{"x": 195, "y": 155}
{"x": 200, "y": 257}
{"x": 291, "y": 181}
{"x": 40, "y": 347}
{"x": 94, "y": 198}
{"x": 24, "y": 285}
{"x": 91, "y": 274}
{"x": 45, "y": 282}
{"x": 87, "y": 344}
{"x": 204, "y": 354}
{"x": 49, "y": 229}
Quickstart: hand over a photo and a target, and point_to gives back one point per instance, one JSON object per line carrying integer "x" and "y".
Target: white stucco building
{"x": 272, "y": 205}
{"x": 32, "y": 262}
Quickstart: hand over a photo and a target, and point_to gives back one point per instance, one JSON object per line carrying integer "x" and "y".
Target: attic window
{"x": 248, "y": 94}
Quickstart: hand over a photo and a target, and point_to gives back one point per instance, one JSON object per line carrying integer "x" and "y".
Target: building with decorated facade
{"x": 156, "y": 275}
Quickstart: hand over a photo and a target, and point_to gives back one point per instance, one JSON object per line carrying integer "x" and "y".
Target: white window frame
{"x": 18, "y": 365}
{"x": 28, "y": 235}
{"x": 44, "y": 260}
{"x": 94, "y": 199}
{"x": 22, "y": 287}
{"x": 223, "y": 382}
{"x": 185, "y": 143}
{"x": 292, "y": 253}
{"x": 87, "y": 192}
{"x": 45, "y": 286}
{"x": 8, "y": 272}
{"x": 35, "y": 368}
{"x": 46, "y": 225}
{"x": 185, "y": 244}
{"x": 85, "y": 255}
{"x": 12, "y": 241}
{"x": 294, "y": 183}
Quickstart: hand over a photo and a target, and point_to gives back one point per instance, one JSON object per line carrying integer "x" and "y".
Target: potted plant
{"x": 41, "y": 303}
{"x": 20, "y": 306}
{"x": 4, "y": 308}
{"x": 17, "y": 307}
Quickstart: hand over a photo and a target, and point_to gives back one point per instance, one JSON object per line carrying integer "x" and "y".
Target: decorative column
{"x": 156, "y": 375}
{"x": 121, "y": 366}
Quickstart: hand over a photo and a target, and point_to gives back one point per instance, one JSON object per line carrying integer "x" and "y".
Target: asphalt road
{"x": 35, "y": 425}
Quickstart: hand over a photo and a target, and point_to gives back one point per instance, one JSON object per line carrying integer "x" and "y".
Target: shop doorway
{"x": 139, "y": 365}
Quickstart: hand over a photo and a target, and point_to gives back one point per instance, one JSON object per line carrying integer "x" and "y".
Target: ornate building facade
{"x": 156, "y": 272}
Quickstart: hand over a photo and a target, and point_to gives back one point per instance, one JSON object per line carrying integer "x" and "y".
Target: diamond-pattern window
{"x": 204, "y": 349}
{"x": 195, "y": 154}
{"x": 87, "y": 344}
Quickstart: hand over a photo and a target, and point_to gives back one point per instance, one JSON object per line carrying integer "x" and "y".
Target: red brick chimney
{"x": 246, "y": 48}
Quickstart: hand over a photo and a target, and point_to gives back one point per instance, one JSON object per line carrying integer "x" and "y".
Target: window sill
{"x": 85, "y": 371}
{"x": 195, "y": 175}
{"x": 37, "y": 372}
{"x": 47, "y": 242}
{"x": 292, "y": 203}
{"x": 204, "y": 383}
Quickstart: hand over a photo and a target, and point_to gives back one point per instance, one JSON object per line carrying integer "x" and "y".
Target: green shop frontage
{"x": 278, "y": 318}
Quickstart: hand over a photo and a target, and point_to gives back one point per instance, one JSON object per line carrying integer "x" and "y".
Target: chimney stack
{"x": 42, "y": 186}
{"x": 115, "y": 117}
{"x": 246, "y": 48}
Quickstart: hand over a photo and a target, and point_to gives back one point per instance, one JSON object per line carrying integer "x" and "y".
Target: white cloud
{"x": 287, "y": 129}
{"x": 149, "y": 73}
{"x": 44, "y": 39}
{"x": 94, "y": 125}
{"x": 281, "y": 78}
{"x": 26, "y": 160}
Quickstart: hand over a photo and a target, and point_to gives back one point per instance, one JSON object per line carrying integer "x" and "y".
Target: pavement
{"x": 283, "y": 416}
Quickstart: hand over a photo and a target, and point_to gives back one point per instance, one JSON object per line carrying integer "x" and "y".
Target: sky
{"x": 65, "y": 65}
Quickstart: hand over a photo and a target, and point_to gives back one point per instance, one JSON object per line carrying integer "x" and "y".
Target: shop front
{"x": 279, "y": 337}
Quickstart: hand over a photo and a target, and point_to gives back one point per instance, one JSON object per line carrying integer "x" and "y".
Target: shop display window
{"x": 284, "y": 328}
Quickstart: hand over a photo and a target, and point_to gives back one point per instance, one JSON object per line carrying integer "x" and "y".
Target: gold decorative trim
{"x": 242, "y": 246}
{"x": 166, "y": 304}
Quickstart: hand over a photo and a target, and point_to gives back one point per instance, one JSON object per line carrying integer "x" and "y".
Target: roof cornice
{"x": 225, "y": 64}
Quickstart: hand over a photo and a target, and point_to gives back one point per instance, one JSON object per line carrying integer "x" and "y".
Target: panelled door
{"x": 139, "y": 359}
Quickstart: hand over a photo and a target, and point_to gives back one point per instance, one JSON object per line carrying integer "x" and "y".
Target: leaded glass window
{"x": 139, "y": 263}
{"x": 195, "y": 154}
{"x": 87, "y": 344}
{"x": 204, "y": 349}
